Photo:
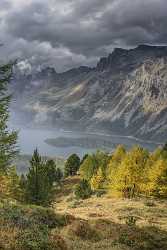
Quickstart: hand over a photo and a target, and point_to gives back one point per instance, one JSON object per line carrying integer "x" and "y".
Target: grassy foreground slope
{"x": 108, "y": 223}
{"x": 29, "y": 228}
{"x": 96, "y": 223}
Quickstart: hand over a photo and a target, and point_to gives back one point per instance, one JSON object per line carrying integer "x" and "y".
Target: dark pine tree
{"x": 55, "y": 174}
{"x": 8, "y": 140}
{"x": 72, "y": 165}
{"x": 83, "y": 190}
{"x": 51, "y": 170}
{"x": 38, "y": 187}
{"x": 58, "y": 176}
{"x": 22, "y": 182}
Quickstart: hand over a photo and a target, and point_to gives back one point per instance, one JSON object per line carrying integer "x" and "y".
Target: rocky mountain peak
{"x": 127, "y": 59}
{"x": 125, "y": 94}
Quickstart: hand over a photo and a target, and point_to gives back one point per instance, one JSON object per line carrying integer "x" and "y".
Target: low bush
{"x": 27, "y": 216}
{"x": 149, "y": 204}
{"x": 29, "y": 228}
{"x": 57, "y": 242}
{"x": 83, "y": 190}
{"x": 83, "y": 230}
{"x": 131, "y": 220}
{"x": 75, "y": 204}
{"x": 34, "y": 238}
{"x": 100, "y": 193}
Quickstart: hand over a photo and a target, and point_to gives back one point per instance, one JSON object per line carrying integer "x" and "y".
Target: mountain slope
{"x": 125, "y": 94}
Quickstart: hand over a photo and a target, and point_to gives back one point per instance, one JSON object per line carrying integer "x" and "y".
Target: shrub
{"x": 27, "y": 216}
{"x": 149, "y": 204}
{"x": 131, "y": 220}
{"x": 83, "y": 190}
{"x": 75, "y": 204}
{"x": 126, "y": 240}
{"x": 47, "y": 217}
{"x": 34, "y": 238}
{"x": 100, "y": 193}
{"x": 38, "y": 238}
{"x": 83, "y": 230}
{"x": 57, "y": 242}
{"x": 29, "y": 228}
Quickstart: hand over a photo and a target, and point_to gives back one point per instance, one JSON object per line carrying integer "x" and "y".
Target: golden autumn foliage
{"x": 97, "y": 180}
{"x": 9, "y": 185}
{"x": 92, "y": 164}
{"x": 139, "y": 173}
{"x": 4, "y": 186}
{"x": 15, "y": 191}
{"x": 119, "y": 154}
{"x": 128, "y": 173}
{"x": 130, "y": 177}
{"x": 114, "y": 162}
{"x": 157, "y": 183}
{"x": 89, "y": 167}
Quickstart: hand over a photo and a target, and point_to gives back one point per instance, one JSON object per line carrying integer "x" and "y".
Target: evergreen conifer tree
{"x": 8, "y": 139}
{"x": 58, "y": 175}
{"x": 54, "y": 174}
{"x": 38, "y": 187}
{"x": 51, "y": 171}
{"x": 22, "y": 181}
{"x": 72, "y": 165}
{"x": 15, "y": 191}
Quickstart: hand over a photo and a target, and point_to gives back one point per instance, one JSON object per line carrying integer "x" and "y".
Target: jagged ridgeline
{"x": 126, "y": 93}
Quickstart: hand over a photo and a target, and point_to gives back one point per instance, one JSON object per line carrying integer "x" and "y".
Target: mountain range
{"x": 125, "y": 94}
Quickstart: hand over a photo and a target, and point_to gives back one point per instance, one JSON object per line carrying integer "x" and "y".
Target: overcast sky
{"x": 70, "y": 33}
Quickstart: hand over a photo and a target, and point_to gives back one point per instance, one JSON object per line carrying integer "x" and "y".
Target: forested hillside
{"x": 103, "y": 201}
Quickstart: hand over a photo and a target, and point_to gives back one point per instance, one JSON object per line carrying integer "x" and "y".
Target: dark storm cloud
{"x": 5, "y": 4}
{"x": 67, "y": 33}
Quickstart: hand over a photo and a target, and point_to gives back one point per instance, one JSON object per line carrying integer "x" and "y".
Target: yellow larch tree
{"x": 130, "y": 177}
{"x": 157, "y": 176}
{"x": 97, "y": 180}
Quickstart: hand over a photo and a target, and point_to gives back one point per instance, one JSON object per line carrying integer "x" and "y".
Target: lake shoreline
{"x": 72, "y": 142}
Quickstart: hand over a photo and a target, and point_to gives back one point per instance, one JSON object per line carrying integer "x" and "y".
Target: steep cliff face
{"x": 125, "y": 94}
{"x": 139, "y": 107}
